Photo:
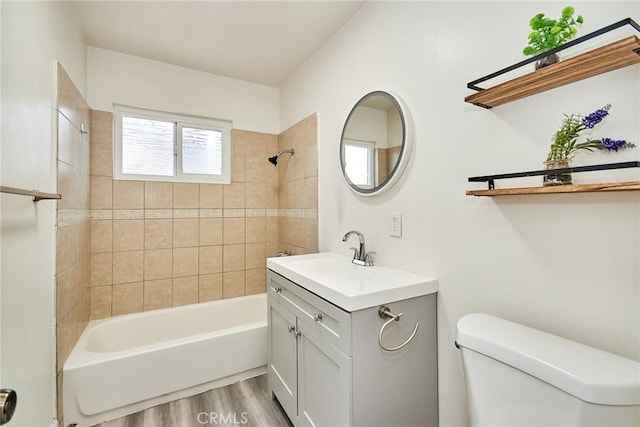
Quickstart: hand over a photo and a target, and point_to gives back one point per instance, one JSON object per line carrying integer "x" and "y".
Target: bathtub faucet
{"x": 360, "y": 255}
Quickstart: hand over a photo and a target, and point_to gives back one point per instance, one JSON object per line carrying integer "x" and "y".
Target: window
{"x": 359, "y": 162}
{"x": 156, "y": 146}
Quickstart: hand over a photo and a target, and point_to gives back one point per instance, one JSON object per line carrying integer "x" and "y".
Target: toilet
{"x": 520, "y": 376}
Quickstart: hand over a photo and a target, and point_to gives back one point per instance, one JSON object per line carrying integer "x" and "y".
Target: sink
{"x": 349, "y": 286}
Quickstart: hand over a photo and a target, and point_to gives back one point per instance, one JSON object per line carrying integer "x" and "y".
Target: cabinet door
{"x": 283, "y": 373}
{"x": 324, "y": 386}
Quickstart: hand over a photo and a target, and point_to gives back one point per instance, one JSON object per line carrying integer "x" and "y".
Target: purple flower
{"x": 596, "y": 117}
{"x": 615, "y": 144}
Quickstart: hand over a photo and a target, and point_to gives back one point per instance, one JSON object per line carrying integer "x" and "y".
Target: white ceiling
{"x": 259, "y": 41}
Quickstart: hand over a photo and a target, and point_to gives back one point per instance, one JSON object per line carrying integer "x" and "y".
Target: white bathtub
{"x": 125, "y": 364}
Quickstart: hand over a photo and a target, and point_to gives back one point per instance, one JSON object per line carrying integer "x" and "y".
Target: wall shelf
{"x": 583, "y": 188}
{"x": 619, "y": 54}
{"x": 558, "y": 189}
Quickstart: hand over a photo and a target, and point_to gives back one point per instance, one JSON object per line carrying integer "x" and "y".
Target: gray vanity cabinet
{"x": 306, "y": 372}
{"x": 283, "y": 356}
{"x": 326, "y": 368}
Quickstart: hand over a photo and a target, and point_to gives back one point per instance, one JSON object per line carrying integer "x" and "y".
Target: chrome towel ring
{"x": 385, "y": 313}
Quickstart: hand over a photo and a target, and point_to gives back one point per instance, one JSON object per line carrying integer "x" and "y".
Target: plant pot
{"x": 557, "y": 178}
{"x": 547, "y": 60}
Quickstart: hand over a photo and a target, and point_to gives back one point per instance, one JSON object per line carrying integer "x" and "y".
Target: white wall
{"x": 114, "y": 77}
{"x": 34, "y": 36}
{"x": 567, "y": 264}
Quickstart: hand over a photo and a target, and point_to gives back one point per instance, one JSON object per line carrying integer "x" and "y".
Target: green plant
{"x": 565, "y": 140}
{"x": 549, "y": 33}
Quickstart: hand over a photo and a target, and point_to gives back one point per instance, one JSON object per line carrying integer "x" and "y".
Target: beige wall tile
{"x": 127, "y": 298}
{"x": 128, "y": 235}
{"x": 211, "y": 196}
{"x": 128, "y": 195}
{"x": 185, "y": 262}
{"x": 185, "y": 232}
{"x": 100, "y": 302}
{"x": 101, "y": 162}
{"x": 158, "y": 233}
{"x": 158, "y": 264}
{"x": 255, "y": 255}
{"x": 256, "y": 281}
{"x": 255, "y": 195}
{"x": 255, "y": 229}
{"x": 64, "y": 257}
{"x": 210, "y": 259}
{"x": 63, "y": 293}
{"x": 210, "y": 231}
{"x": 233, "y": 284}
{"x": 185, "y": 290}
{"x": 271, "y": 229}
{"x": 158, "y": 294}
{"x": 66, "y": 338}
{"x": 101, "y": 269}
{"x": 101, "y": 130}
{"x": 233, "y": 230}
{"x": 256, "y": 168}
{"x": 310, "y": 193}
{"x": 233, "y": 196}
{"x": 158, "y": 195}
{"x": 101, "y": 192}
{"x": 240, "y": 141}
{"x": 128, "y": 267}
{"x": 64, "y": 139}
{"x": 186, "y": 196}
{"x": 271, "y": 249}
{"x": 101, "y": 236}
{"x": 209, "y": 287}
{"x": 271, "y": 195}
{"x": 238, "y": 169}
{"x": 233, "y": 257}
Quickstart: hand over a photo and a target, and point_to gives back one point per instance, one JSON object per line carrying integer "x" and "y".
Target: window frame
{"x": 179, "y": 121}
{"x": 370, "y": 146}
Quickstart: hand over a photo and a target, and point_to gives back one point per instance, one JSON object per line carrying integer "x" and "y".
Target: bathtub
{"x": 125, "y": 364}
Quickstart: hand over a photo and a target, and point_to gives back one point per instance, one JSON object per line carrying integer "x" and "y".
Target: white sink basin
{"x": 349, "y": 286}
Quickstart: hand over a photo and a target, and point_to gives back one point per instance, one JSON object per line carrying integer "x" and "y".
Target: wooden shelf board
{"x": 610, "y": 57}
{"x": 583, "y": 188}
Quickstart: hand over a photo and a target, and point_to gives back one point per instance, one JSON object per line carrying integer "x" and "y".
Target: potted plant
{"x": 565, "y": 143}
{"x": 550, "y": 33}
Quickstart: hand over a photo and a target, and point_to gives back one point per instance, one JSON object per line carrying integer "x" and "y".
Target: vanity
{"x": 351, "y": 345}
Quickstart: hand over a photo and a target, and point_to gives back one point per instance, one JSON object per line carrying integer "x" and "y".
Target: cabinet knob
{"x": 298, "y": 333}
{"x": 317, "y": 317}
{"x": 292, "y": 328}
{"x": 278, "y": 290}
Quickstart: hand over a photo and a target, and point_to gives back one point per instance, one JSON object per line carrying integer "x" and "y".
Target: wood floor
{"x": 246, "y": 403}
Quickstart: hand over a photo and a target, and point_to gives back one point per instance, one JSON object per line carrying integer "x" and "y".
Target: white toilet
{"x": 520, "y": 376}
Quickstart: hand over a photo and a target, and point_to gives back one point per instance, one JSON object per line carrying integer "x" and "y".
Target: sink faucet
{"x": 360, "y": 255}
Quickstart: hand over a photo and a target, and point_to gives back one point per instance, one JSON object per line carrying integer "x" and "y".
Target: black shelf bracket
{"x": 627, "y": 21}
{"x": 489, "y": 179}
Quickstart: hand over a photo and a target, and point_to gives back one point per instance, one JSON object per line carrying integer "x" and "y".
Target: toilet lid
{"x": 585, "y": 372}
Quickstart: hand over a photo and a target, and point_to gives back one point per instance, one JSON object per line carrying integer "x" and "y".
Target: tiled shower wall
{"x": 157, "y": 245}
{"x": 73, "y": 229}
{"x": 298, "y": 185}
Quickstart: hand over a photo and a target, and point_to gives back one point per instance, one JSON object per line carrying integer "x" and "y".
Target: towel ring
{"x": 385, "y": 313}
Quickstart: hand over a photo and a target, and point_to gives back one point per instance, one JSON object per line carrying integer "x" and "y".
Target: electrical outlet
{"x": 396, "y": 224}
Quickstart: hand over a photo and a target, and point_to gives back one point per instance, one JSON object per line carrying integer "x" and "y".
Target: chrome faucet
{"x": 360, "y": 255}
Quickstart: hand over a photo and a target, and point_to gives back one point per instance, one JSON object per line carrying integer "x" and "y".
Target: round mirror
{"x": 376, "y": 143}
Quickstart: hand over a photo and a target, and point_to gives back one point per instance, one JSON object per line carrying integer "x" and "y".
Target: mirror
{"x": 376, "y": 143}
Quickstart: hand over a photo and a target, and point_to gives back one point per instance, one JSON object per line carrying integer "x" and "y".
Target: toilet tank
{"x": 518, "y": 376}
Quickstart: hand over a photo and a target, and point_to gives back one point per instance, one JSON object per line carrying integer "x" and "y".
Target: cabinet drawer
{"x": 328, "y": 321}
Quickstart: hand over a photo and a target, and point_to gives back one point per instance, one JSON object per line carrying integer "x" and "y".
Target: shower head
{"x": 274, "y": 160}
